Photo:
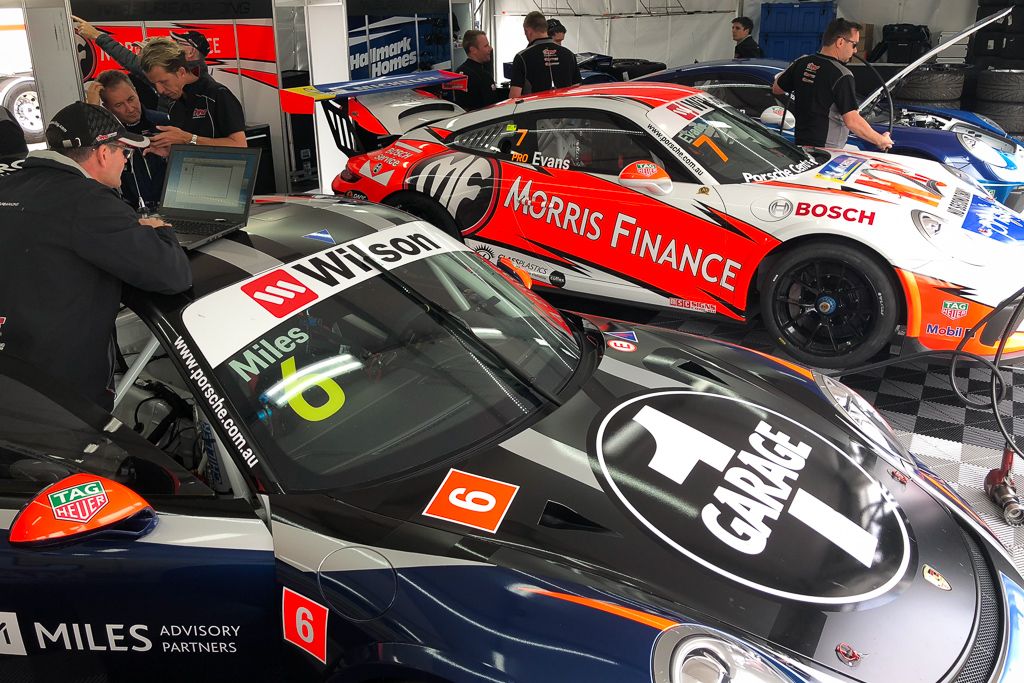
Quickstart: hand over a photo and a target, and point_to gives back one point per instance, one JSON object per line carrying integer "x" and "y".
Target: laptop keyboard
{"x": 198, "y": 227}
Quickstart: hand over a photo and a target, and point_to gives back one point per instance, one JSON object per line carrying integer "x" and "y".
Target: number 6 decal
{"x": 305, "y": 623}
{"x": 471, "y": 500}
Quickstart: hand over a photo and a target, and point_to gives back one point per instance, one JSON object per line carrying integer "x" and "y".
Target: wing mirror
{"x": 646, "y": 176}
{"x": 771, "y": 117}
{"x": 82, "y": 506}
{"x": 506, "y": 266}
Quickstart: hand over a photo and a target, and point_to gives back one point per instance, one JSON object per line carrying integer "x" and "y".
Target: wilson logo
{"x": 279, "y": 293}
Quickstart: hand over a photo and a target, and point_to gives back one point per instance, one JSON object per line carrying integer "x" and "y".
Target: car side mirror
{"x": 506, "y": 266}
{"x": 771, "y": 117}
{"x": 647, "y": 177}
{"x": 82, "y": 506}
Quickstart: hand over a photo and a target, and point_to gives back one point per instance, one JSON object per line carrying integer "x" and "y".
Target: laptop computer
{"x": 208, "y": 191}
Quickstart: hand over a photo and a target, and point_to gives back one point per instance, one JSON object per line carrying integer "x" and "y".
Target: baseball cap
{"x": 555, "y": 26}
{"x": 85, "y": 125}
{"x": 193, "y": 38}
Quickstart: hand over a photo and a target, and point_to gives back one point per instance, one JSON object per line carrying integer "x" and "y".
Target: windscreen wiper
{"x": 458, "y": 328}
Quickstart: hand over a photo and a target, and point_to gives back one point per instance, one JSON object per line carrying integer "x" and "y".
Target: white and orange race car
{"x": 661, "y": 195}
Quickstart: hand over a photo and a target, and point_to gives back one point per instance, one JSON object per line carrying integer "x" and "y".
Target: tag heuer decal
{"x": 954, "y": 310}
{"x": 78, "y": 503}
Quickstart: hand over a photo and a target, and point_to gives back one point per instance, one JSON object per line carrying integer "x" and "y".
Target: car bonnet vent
{"x": 675, "y": 364}
{"x": 558, "y": 516}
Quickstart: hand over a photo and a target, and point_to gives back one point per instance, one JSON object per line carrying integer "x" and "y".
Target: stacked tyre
{"x": 1001, "y": 98}
{"x": 933, "y": 85}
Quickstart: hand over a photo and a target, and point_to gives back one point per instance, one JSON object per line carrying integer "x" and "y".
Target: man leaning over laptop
{"x": 203, "y": 111}
{"x": 69, "y": 244}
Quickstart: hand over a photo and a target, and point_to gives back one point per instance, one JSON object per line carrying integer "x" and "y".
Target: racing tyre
{"x": 1009, "y": 115}
{"x": 1001, "y": 85}
{"x": 23, "y": 103}
{"x": 425, "y": 209}
{"x": 937, "y": 104}
{"x": 829, "y": 305}
{"x": 936, "y": 82}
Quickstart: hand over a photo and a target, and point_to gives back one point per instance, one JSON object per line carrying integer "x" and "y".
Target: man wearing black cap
{"x": 68, "y": 244}
{"x": 196, "y": 48}
{"x": 204, "y": 112}
{"x": 543, "y": 65}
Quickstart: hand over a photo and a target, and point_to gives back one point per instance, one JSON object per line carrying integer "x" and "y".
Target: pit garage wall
{"x": 675, "y": 39}
{"x": 242, "y": 50}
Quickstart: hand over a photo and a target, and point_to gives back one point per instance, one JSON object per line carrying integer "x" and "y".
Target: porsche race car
{"x": 661, "y": 195}
{"x": 410, "y": 468}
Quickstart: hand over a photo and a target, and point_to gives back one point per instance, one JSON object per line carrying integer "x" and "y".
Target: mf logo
{"x": 10, "y": 635}
{"x": 279, "y": 293}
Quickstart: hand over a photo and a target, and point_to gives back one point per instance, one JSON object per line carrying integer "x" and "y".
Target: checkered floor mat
{"x": 960, "y": 444}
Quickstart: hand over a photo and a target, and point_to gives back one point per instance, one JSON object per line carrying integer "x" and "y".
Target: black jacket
{"x": 143, "y": 176}
{"x": 480, "y": 90}
{"x": 67, "y": 244}
{"x": 544, "y": 65}
{"x": 748, "y": 48}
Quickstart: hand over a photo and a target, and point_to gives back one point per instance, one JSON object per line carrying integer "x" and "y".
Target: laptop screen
{"x": 214, "y": 180}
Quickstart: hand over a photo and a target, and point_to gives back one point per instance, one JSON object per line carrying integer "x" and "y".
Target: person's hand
{"x": 885, "y": 144}
{"x": 85, "y": 29}
{"x": 154, "y": 223}
{"x": 158, "y": 151}
{"x": 169, "y": 135}
{"x": 92, "y": 93}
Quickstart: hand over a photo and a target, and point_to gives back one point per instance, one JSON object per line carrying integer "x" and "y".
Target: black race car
{"x": 407, "y": 467}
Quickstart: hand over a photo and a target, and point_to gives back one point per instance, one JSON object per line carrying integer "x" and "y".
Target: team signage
{"x": 746, "y": 497}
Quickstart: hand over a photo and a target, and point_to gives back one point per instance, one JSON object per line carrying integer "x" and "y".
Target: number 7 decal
{"x": 471, "y": 500}
{"x": 705, "y": 140}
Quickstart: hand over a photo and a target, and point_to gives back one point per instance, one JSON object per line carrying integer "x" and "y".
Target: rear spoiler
{"x": 337, "y": 102}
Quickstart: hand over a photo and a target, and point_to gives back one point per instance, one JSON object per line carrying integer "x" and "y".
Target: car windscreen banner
{"x": 226, "y": 320}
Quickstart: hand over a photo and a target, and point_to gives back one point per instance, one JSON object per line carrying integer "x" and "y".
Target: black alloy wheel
{"x": 829, "y": 305}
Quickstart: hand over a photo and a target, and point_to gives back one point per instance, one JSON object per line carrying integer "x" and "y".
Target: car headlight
{"x": 964, "y": 177}
{"x": 990, "y": 122}
{"x": 690, "y": 653}
{"x": 928, "y": 224}
{"x": 868, "y": 421}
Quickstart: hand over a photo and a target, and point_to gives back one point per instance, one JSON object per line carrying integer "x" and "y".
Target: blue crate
{"x": 803, "y": 17}
{"x": 789, "y": 46}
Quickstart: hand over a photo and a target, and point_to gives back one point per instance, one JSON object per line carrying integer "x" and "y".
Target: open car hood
{"x": 970, "y": 30}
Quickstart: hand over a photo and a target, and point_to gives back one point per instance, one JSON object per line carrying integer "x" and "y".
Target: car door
{"x": 621, "y": 242}
{"x": 196, "y": 595}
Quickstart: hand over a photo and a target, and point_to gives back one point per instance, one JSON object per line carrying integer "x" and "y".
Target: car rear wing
{"x": 368, "y": 114}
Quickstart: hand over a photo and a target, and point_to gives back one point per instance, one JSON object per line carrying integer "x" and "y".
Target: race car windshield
{"x": 734, "y": 149}
{"x": 368, "y": 384}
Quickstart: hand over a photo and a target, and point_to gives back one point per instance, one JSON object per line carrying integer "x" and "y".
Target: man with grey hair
{"x": 203, "y": 112}
{"x": 69, "y": 245}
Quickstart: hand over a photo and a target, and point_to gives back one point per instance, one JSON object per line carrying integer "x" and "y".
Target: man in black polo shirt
{"x": 203, "y": 111}
{"x": 826, "y": 103}
{"x": 746, "y": 46}
{"x": 543, "y": 65}
{"x": 480, "y": 89}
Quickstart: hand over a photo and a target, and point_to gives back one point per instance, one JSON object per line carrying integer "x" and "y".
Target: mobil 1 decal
{"x": 465, "y": 184}
{"x": 753, "y": 495}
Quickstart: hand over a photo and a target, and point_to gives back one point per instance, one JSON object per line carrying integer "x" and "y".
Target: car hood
{"x": 711, "y": 482}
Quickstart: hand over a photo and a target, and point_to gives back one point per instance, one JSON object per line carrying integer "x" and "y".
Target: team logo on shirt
{"x": 199, "y": 113}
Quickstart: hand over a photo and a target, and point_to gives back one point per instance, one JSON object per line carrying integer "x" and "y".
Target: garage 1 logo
{"x": 754, "y": 496}
{"x": 78, "y": 503}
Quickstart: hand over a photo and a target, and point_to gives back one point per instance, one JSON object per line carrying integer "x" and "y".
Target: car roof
{"x": 749, "y": 66}
{"x": 652, "y": 94}
{"x": 281, "y": 229}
